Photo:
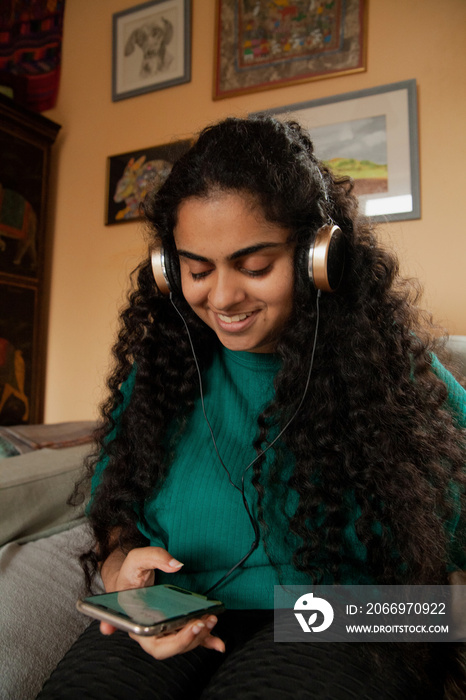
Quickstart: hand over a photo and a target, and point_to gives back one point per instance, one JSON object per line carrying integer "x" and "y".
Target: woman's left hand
{"x": 195, "y": 633}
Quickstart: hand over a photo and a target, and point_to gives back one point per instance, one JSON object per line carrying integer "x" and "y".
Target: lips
{"x": 233, "y": 319}
{"x": 236, "y": 322}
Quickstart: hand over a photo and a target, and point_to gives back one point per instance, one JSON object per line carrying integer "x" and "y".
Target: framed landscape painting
{"x": 370, "y": 135}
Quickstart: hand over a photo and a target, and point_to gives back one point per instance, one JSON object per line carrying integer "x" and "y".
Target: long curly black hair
{"x": 373, "y": 422}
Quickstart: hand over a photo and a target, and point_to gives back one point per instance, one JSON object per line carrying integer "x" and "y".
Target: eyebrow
{"x": 250, "y": 250}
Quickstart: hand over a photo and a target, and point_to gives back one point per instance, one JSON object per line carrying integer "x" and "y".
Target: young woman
{"x": 277, "y": 415}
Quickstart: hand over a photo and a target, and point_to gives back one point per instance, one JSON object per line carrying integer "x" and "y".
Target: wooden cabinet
{"x": 26, "y": 140}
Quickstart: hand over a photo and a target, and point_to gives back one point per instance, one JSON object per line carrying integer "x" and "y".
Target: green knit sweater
{"x": 199, "y": 517}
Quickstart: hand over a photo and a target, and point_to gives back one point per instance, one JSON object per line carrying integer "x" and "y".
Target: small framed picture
{"x": 151, "y": 47}
{"x": 130, "y": 176}
{"x": 370, "y": 135}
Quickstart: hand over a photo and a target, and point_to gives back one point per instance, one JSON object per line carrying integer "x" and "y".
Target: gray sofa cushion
{"x": 39, "y": 584}
{"x": 34, "y": 488}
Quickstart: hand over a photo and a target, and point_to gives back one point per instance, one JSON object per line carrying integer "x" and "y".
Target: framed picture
{"x": 262, "y": 45}
{"x": 26, "y": 140}
{"x": 21, "y": 205}
{"x": 370, "y": 135}
{"x": 18, "y": 353}
{"x": 131, "y": 175}
{"x": 151, "y": 47}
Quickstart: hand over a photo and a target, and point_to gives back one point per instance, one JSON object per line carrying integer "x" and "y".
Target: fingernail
{"x": 211, "y": 622}
{"x": 175, "y": 564}
{"x": 198, "y": 627}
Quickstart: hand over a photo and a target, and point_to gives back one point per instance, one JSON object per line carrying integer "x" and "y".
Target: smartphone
{"x": 151, "y": 611}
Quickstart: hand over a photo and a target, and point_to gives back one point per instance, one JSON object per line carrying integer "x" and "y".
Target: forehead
{"x": 223, "y": 223}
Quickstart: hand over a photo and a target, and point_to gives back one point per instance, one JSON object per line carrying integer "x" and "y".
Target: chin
{"x": 238, "y": 345}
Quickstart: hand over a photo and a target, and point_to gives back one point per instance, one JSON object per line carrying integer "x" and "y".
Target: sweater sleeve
{"x": 456, "y": 400}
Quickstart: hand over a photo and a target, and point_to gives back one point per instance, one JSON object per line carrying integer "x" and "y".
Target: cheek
{"x": 284, "y": 306}
{"x": 283, "y": 294}
{"x": 192, "y": 292}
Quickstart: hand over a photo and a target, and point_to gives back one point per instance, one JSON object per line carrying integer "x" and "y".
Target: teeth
{"x": 233, "y": 319}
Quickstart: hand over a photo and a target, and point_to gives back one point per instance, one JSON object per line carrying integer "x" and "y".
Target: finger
{"x": 215, "y": 643}
{"x": 152, "y": 558}
{"x": 203, "y": 637}
{"x": 107, "y": 628}
{"x": 211, "y": 642}
{"x": 186, "y": 639}
{"x": 137, "y": 570}
{"x": 210, "y": 621}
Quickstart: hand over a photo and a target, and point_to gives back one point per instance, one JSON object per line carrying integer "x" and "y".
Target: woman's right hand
{"x": 137, "y": 570}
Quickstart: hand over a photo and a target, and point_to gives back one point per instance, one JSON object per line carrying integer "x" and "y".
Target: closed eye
{"x": 256, "y": 273}
{"x": 250, "y": 273}
{"x": 200, "y": 275}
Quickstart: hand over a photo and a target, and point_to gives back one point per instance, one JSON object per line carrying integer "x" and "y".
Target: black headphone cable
{"x": 254, "y": 524}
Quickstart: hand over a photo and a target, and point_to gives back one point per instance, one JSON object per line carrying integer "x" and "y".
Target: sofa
{"x": 41, "y": 538}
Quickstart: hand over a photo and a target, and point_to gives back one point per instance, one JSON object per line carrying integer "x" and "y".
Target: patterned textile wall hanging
{"x": 30, "y": 51}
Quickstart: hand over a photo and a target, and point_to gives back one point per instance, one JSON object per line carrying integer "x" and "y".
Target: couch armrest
{"x": 34, "y": 488}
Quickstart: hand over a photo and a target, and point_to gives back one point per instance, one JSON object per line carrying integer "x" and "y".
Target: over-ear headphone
{"x": 324, "y": 262}
{"x": 166, "y": 270}
{"x": 326, "y": 258}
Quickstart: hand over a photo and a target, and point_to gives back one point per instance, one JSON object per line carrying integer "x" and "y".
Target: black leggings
{"x": 253, "y": 667}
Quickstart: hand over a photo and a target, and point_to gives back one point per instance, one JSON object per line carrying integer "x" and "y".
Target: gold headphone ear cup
{"x": 157, "y": 258}
{"x": 326, "y": 260}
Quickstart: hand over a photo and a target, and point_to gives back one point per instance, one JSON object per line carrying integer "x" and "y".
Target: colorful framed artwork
{"x": 18, "y": 353}
{"x": 262, "y": 45}
{"x": 21, "y": 205}
{"x": 151, "y": 47}
{"x": 372, "y": 136}
{"x": 26, "y": 140}
{"x": 130, "y": 176}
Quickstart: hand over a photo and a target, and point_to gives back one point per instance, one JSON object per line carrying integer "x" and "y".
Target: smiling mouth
{"x": 234, "y": 319}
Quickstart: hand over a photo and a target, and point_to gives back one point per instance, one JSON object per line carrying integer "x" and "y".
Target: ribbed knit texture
{"x": 456, "y": 401}
{"x": 199, "y": 517}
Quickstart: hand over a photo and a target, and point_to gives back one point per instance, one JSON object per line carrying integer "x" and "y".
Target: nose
{"x": 226, "y": 290}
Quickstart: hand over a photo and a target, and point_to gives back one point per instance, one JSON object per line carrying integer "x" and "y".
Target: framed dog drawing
{"x": 151, "y": 47}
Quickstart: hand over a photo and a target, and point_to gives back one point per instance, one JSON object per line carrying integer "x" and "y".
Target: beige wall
{"x": 421, "y": 39}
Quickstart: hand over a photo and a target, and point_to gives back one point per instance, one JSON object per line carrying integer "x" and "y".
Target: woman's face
{"x": 236, "y": 269}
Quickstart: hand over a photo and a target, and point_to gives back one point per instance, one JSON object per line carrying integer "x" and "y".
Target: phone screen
{"x": 153, "y": 605}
